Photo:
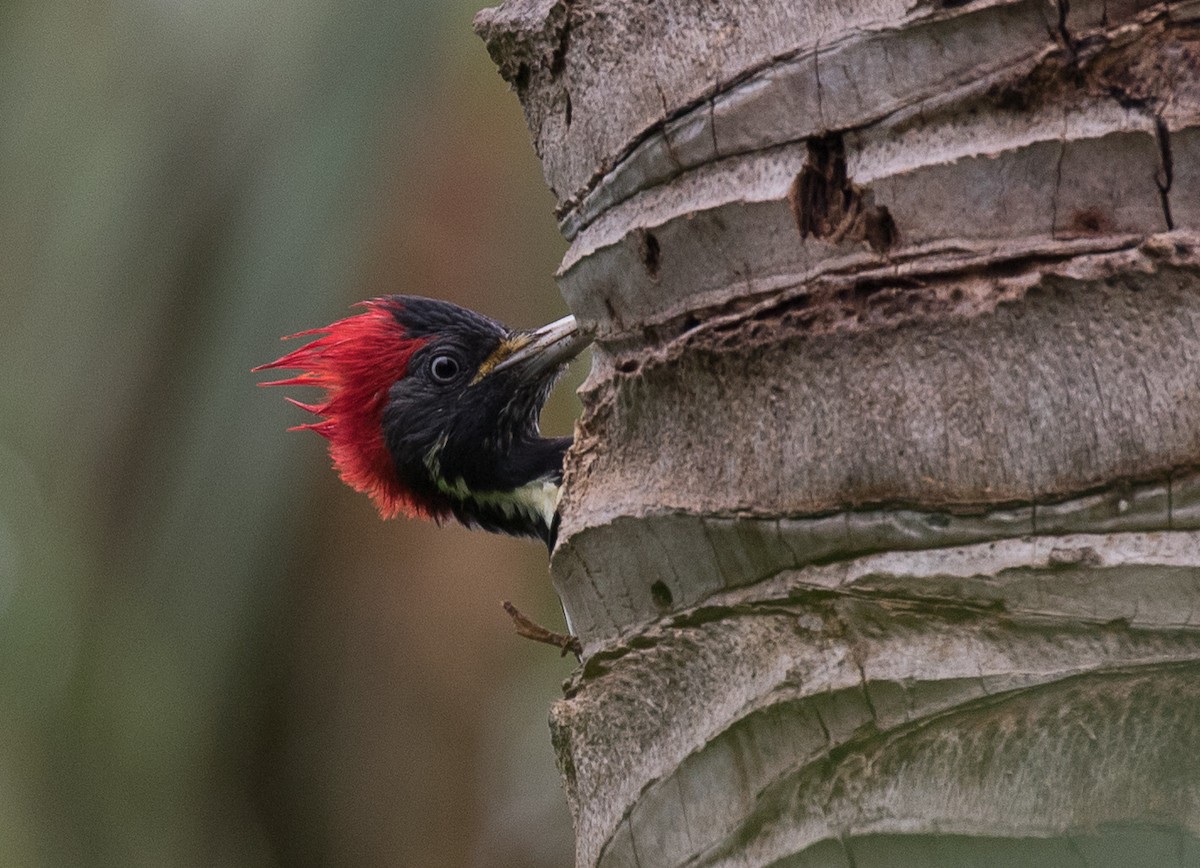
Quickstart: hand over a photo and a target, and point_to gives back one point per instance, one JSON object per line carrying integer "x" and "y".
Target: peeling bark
{"x": 882, "y": 526}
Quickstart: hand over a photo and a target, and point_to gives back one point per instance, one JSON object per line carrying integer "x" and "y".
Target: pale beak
{"x": 545, "y": 349}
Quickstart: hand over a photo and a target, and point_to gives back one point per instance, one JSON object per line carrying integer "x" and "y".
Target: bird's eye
{"x": 444, "y": 368}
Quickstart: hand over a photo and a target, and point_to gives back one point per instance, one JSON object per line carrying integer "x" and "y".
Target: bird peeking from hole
{"x": 432, "y": 411}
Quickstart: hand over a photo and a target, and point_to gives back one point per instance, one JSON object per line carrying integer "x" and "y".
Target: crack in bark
{"x": 591, "y": 580}
{"x": 668, "y": 142}
{"x": 863, "y": 681}
{"x": 637, "y": 861}
{"x": 1064, "y": 10}
{"x": 816, "y": 58}
{"x": 1058, "y": 166}
{"x": 712, "y": 127}
{"x": 1166, "y": 169}
{"x": 687, "y": 826}
{"x": 1171, "y": 500}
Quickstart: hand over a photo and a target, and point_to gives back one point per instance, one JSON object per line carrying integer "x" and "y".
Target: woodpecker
{"x": 432, "y": 411}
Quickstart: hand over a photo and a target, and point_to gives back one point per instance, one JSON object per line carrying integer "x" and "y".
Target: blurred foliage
{"x": 212, "y": 652}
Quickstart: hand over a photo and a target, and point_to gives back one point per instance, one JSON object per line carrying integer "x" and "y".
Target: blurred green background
{"x": 211, "y": 651}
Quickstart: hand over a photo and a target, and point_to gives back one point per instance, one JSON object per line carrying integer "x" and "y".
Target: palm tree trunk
{"x": 882, "y": 528}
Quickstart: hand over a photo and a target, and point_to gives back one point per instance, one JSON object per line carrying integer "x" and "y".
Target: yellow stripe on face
{"x": 507, "y": 347}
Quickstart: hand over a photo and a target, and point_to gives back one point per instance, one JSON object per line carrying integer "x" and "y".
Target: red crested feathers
{"x": 356, "y": 360}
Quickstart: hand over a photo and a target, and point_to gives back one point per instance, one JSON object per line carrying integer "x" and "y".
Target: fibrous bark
{"x": 882, "y": 527}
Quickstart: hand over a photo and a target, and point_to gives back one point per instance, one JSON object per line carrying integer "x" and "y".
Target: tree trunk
{"x": 882, "y": 527}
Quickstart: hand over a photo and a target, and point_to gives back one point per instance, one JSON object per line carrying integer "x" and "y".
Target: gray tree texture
{"x": 882, "y": 528}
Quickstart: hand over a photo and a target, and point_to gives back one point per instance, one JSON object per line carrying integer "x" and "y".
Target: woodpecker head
{"x": 432, "y": 410}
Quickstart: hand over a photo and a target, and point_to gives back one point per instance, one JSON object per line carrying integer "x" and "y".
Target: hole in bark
{"x": 558, "y": 60}
{"x": 1014, "y": 267}
{"x": 826, "y": 203}
{"x": 821, "y": 196}
{"x": 567, "y": 111}
{"x": 879, "y": 228}
{"x": 1089, "y": 221}
{"x": 864, "y": 289}
{"x": 521, "y": 79}
{"x": 628, "y": 366}
{"x": 651, "y": 253}
{"x": 661, "y": 595}
{"x": 1030, "y": 92}
{"x": 1011, "y": 98}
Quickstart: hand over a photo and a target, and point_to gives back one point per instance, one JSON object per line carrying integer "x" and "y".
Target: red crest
{"x": 356, "y": 360}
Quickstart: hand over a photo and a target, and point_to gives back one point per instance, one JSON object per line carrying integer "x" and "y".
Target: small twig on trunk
{"x": 532, "y": 630}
